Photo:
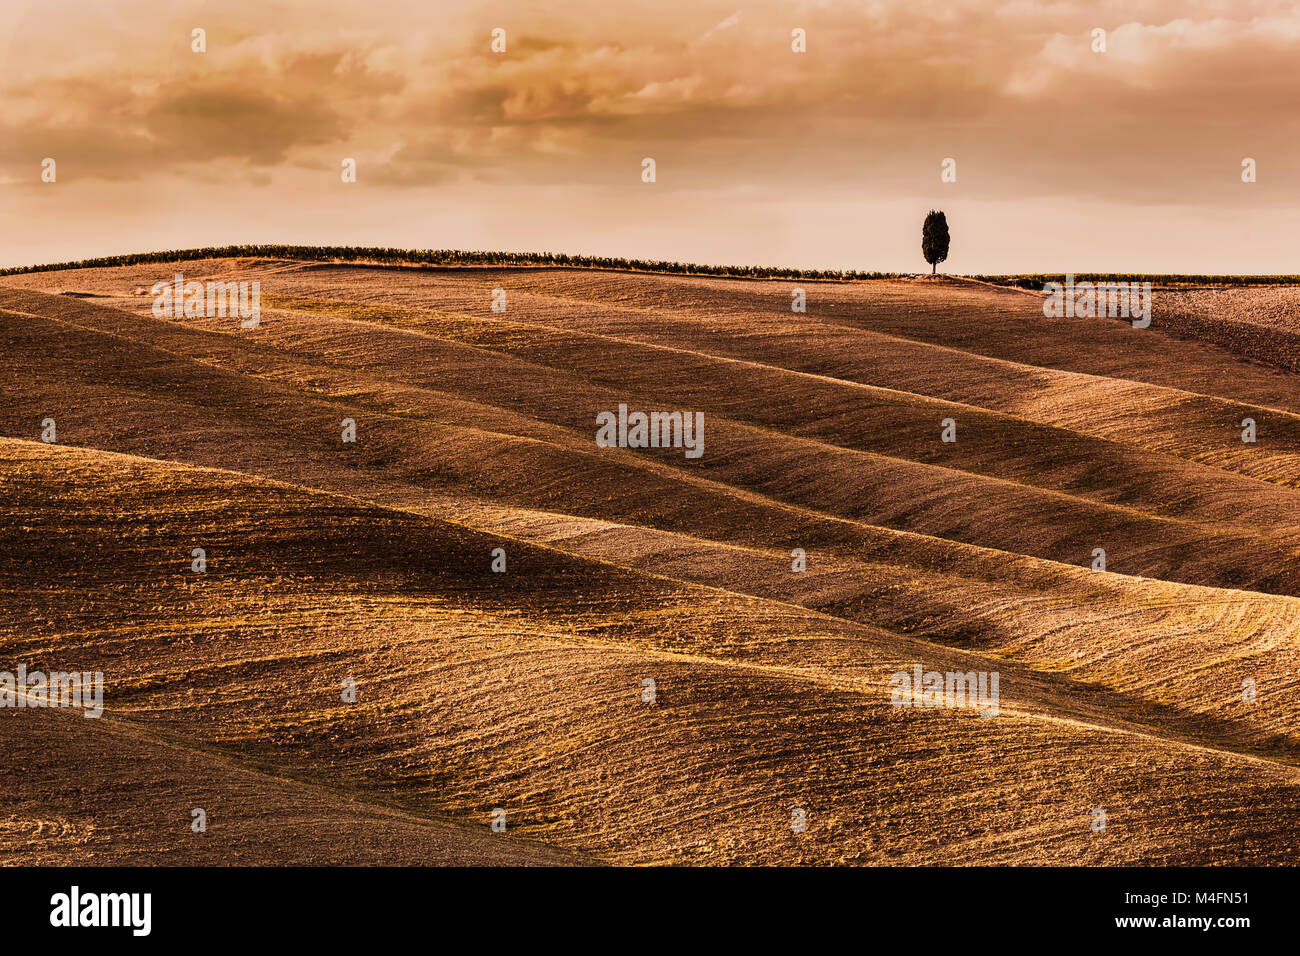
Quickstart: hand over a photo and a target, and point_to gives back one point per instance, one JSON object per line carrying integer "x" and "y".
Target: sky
{"x": 1066, "y": 158}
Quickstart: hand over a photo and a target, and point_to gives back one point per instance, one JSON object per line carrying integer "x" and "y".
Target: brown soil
{"x": 523, "y": 691}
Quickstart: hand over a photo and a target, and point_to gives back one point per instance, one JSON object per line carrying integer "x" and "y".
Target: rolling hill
{"x": 524, "y": 691}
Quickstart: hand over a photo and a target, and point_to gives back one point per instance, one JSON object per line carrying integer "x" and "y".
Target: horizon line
{"x": 462, "y": 258}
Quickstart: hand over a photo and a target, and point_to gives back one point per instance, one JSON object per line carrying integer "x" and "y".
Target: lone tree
{"x": 934, "y": 239}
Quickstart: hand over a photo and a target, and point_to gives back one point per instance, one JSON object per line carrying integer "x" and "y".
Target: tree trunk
{"x": 933, "y": 266}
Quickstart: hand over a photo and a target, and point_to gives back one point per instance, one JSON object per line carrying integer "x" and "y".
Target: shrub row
{"x": 449, "y": 257}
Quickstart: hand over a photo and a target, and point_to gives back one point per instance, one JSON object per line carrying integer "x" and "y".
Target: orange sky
{"x": 1066, "y": 159}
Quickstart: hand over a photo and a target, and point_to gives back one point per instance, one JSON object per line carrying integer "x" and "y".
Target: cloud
{"x": 886, "y": 90}
{"x": 726, "y": 24}
{"x": 1160, "y": 57}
